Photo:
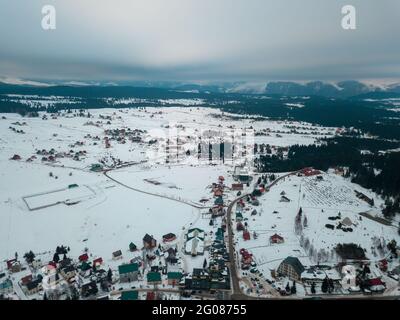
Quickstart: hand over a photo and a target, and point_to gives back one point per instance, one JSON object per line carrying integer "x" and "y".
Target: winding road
{"x": 187, "y": 202}
{"x": 237, "y": 293}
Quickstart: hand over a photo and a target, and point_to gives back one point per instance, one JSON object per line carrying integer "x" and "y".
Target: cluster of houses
{"x": 17, "y": 130}
{"x": 122, "y": 135}
{"x": 361, "y": 276}
{"x": 345, "y": 278}
{"x": 87, "y": 277}
{"x": 52, "y": 155}
{"x": 215, "y": 273}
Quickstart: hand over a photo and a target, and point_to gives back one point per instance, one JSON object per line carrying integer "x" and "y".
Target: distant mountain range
{"x": 348, "y": 103}
{"x": 342, "y": 89}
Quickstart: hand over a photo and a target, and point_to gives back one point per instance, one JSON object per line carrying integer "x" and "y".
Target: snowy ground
{"x": 318, "y": 200}
{"x": 108, "y": 216}
{"x": 147, "y": 195}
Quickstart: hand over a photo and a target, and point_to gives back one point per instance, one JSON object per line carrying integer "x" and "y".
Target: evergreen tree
{"x": 56, "y": 258}
{"x": 109, "y": 275}
{"x": 205, "y": 264}
{"x": 313, "y": 288}
{"x": 325, "y": 285}
{"x": 293, "y": 288}
{"x": 305, "y": 222}
{"x": 331, "y": 286}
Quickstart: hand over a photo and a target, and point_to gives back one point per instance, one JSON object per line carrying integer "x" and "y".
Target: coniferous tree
{"x": 293, "y": 288}
{"x": 325, "y": 285}
{"x": 205, "y": 264}
{"x": 313, "y": 288}
{"x": 56, "y": 258}
{"x": 109, "y": 275}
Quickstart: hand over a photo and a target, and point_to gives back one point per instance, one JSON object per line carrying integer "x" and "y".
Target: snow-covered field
{"x": 98, "y": 180}
{"x": 319, "y": 200}
{"x": 103, "y": 215}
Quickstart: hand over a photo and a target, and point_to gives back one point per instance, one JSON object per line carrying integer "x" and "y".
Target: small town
{"x": 215, "y": 263}
{"x": 200, "y": 157}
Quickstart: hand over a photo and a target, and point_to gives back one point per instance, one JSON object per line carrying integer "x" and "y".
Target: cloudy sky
{"x": 200, "y": 40}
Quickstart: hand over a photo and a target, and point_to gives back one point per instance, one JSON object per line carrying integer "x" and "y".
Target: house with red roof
{"x": 97, "y": 262}
{"x": 83, "y": 257}
{"x": 276, "y": 238}
{"x": 246, "y": 235}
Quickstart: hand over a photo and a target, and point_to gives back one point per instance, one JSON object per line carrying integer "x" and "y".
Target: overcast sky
{"x": 200, "y": 40}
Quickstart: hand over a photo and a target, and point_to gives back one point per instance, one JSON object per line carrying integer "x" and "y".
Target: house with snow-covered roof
{"x": 128, "y": 272}
{"x": 149, "y": 242}
{"x": 276, "y": 238}
{"x": 6, "y": 287}
{"x": 195, "y": 242}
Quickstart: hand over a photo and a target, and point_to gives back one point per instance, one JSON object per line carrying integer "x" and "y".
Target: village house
{"x": 169, "y": 237}
{"x": 129, "y": 295}
{"x": 284, "y": 199}
{"x": 308, "y": 172}
{"x": 150, "y": 295}
{"x": 255, "y": 202}
{"x": 25, "y": 280}
{"x": 292, "y": 268}
{"x": 97, "y": 262}
{"x": 68, "y": 272}
{"x": 14, "y": 266}
{"x": 246, "y": 235}
{"x": 244, "y": 178}
{"x": 239, "y": 216}
{"x": 15, "y": 157}
{"x": 200, "y": 280}
{"x": 276, "y": 239}
{"x": 376, "y": 285}
{"x": 174, "y": 278}
{"x": 132, "y": 247}
{"x": 50, "y": 277}
{"x": 219, "y": 201}
{"x": 83, "y": 258}
{"x": 6, "y": 287}
{"x": 237, "y": 187}
{"x": 137, "y": 258}
{"x": 34, "y": 286}
{"x": 170, "y": 255}
{"x": 239, "y": 226}
{"x": 128, "y": 272}
{"x": 154, "y": 278}
{"x": 246, "y": 259}
{"x": 149, "y": 242}
{"x": 349, "y": 277}
{"x": 117, "y": 255}
{"x": 218, "y": 192}
{"x": 85, "y": 267}
{"x": 89, "y": 289}
{"x": 37, "y": 264}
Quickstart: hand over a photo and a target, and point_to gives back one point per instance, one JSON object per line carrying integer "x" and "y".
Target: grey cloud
{"x": 200, "y": 40}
